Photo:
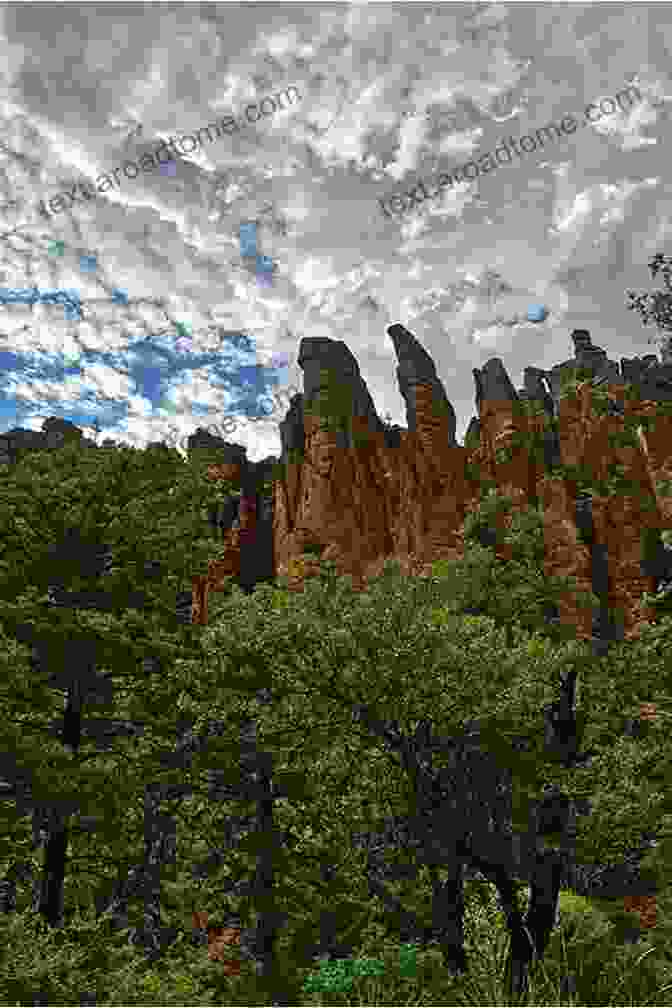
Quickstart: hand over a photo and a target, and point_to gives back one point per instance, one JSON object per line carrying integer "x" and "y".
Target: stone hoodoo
{"x": 357, "y": 493}
{"x": 416, "y": 373}
{"x": 352, "y": 490}
{"x": 331, "y": 375}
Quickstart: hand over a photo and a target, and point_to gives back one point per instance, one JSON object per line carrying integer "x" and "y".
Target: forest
{"x": 423, "y": 793}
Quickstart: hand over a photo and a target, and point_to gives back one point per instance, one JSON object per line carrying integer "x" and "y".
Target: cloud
{"x": 390, "y": 94}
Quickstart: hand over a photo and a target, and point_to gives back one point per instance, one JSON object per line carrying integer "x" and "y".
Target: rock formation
{"x": 351, "y": 490}
{"x": 357, "y": 493}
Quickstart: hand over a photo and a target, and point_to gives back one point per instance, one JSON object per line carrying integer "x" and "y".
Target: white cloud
{"x": 389, "y": 93}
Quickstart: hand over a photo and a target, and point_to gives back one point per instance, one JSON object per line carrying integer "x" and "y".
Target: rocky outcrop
{"x": 356, "y": 496}
{"x": 354, "y": 491}
{"x": 326, "y": 498}
{"x": 417, "y": 372}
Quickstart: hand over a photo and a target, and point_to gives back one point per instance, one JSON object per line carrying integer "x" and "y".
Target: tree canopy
{"x": 264, "y": 765}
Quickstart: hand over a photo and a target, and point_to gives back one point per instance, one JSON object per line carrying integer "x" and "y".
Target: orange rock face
{"x": 227, "y": 562}
{"x": 368, "y": 500}
{"x": 645, "y": 907}
{"x": 648, "y": 712}
{"x": 226, "y": 471}
{"x": 418, "y": 502}
{"x": 591, "y": 440}
{"x": 220, "y": 940}
{"x": 565, "y": 554}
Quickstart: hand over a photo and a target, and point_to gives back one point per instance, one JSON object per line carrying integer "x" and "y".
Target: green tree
{"x": 67, "y": 525}
{"x": 139, "y": 506}
{"x": 376, "y": 712}
{"x": 656, "y": 306}
{"x": 516, "y": 591}
{"x": 506, "y": 692}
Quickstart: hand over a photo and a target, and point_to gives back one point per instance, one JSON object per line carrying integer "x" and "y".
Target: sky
{"x": 388, "y": 95}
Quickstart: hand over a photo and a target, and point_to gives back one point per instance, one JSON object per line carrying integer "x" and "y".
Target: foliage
{"x": 84, "y": 959}
{"x": 515, "y": 591}
{"x": 656, "y": 307}
{"x": 73, "y": 764}
{"x": 338, "y": 976}
{"x": 571, "y": 904}
{"x": 300, "y": 669}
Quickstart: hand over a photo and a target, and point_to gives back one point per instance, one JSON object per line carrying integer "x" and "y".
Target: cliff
{"x": 357, "y": 493}
{"x": 592, "y": 455}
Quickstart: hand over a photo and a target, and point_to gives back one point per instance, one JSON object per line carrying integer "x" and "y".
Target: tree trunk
{"x": 544, "y": 890}
{"x": 53, "y": 872}
{"x": 256, "y": 772}
{"x": 50, "y": 903}
{"x": 448, "y": 916}
{"x": 521, "y": 949}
